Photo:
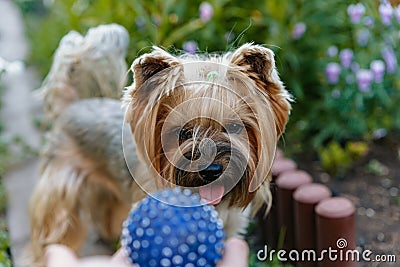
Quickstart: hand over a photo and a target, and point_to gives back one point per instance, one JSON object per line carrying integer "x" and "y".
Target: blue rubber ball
{"x": 173, "y": 228}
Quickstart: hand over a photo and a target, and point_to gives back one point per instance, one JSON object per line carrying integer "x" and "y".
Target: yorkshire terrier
{"x": 209, "y": 123}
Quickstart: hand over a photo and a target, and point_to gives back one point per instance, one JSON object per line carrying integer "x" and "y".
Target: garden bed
{"x": 373, "y": 184}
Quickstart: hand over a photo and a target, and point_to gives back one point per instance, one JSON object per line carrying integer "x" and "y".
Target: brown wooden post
{"x": 336, "y": 234}
{"x": 306, "y": 197}
{"x": 287, "y": 183}
{"x": 267, "y": 226}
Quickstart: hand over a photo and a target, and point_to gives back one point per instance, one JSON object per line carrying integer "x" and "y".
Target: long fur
{"x": 73, "y": 183}
{"x": 163, "y": 82}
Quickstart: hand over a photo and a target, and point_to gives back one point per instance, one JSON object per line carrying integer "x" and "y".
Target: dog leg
{"x": 55, "y": 210}
{"x": 108, "y": 210}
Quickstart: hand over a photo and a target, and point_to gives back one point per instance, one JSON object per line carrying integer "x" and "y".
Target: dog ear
{"x": 258, "y": 63}
{"x": 153, "y": 74}
{"x": 150, "y": 64}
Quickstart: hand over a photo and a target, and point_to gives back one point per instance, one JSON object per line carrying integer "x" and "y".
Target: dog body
{"x": 209, "y": 124}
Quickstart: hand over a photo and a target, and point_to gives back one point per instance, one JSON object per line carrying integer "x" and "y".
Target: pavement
{"x": 20, "y": 107}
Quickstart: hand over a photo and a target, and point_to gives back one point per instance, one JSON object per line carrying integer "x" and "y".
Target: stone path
{"x": 19, "y": 109}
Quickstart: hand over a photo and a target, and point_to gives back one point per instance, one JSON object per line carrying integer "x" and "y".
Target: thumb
{"x": 60, "y": 256}
{"x": 236, "y": 253}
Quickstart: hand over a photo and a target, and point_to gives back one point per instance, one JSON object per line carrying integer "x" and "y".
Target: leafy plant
{"x": 172, "y": 24}
{"x": 362, "y": 76}
{"x": 5, "y": 258}
{"x": 377, "y": 168}
{"x": 254, "y": 261}
{"x": 337, "y": 159}
{"x": 3, "y": 198}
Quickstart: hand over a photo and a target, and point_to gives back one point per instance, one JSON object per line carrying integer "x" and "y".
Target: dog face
{"x": 210, "y": 124}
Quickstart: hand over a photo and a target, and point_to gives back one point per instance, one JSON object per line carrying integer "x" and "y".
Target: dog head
{"x": 210, "y": 123}
{"x": 86, "y": 66}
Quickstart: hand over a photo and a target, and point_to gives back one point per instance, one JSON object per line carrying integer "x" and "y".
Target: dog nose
{"x": 212, "y": 172}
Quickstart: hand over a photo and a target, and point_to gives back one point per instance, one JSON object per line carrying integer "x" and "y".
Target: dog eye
{"x": 233, "y": 128}
{"x": 184, "y": 134}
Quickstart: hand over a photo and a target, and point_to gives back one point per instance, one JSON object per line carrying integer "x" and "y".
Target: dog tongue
{"x": 212, "y": 194}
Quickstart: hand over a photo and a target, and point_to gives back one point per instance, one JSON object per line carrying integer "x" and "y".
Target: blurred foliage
{"x": 360, "y": 106}
{"x": 254, "y": 262}
{"x": 5, "y": 259}
{"x": 377, "y": 168}
{"x": 337, "y": 159}
{"x": 299, "y": 32}
{"x": 269, "y": 253}
{"x": 5, "y": 255}
{"x": 3, "y": 198}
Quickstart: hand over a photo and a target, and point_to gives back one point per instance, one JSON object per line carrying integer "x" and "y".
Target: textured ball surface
{"x": 173, "y": 228}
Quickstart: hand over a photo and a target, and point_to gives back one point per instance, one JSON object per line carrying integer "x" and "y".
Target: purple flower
{"x": 396, "y": 12}
{"x": 386, "y": 12}
{"x": 346, "y": 57}
{"x": 369, "y": 21}
{"x": 156, "y": 19}
{"x": 190, "y": 47}
{"x": 364, "y": 79}
{"x": 378, "y": 70}
{"x": 355, "y": 12}
{"x": 298, "y": 30}
{"x": 332, "y": 51}
{"x": 206, "y": 11}
{"x": 380, "y": 133}
{"x": 363, "y": 37}
{"x": 332, "y": 72}
{"x": 390, "y": 59}
{"x": 140, "y": 22}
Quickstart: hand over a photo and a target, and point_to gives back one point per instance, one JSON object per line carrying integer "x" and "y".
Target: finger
{"x": 120, "y": 258}
{"x": 99, "y": 261}
{"x": 236, "y": 253}
{"x": 60, "y": 256}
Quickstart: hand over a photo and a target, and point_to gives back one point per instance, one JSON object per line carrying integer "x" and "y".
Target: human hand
{"x": 62, "y": 256}
{"x": 236, "y": 254}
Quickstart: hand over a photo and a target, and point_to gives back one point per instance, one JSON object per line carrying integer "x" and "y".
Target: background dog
{"x": 208, "y": 123}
